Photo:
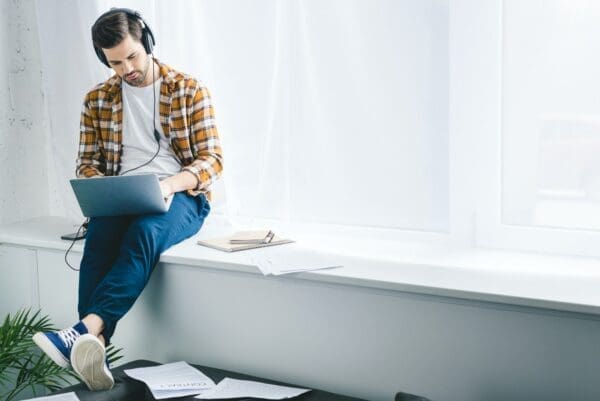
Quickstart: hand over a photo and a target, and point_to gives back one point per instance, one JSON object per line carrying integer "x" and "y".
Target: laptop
{"x": 120, "y": 195}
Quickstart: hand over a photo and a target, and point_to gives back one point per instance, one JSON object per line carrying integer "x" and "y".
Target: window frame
{"x": 491, "y": 231}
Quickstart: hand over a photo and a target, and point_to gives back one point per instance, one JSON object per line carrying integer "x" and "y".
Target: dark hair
{"x": 110, "y": 30}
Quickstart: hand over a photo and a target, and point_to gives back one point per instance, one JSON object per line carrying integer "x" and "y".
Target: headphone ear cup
{"x": 147, "y": 38}
{"x": 146, "y": 42}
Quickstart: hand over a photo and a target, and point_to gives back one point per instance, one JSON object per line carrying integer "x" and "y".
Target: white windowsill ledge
{"x": 525, "y": 279}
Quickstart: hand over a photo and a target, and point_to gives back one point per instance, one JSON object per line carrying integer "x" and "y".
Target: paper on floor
{"x": 59, "y": 397}
{"x": 175, "y": 379}
{"x": 232, "y": 388}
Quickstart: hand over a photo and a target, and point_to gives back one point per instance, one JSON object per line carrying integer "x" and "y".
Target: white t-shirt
{"x": 139, "y": 144}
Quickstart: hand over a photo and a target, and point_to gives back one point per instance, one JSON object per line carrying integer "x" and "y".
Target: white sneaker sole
{"x": 50, "y": 349}
{"x": 88, "y": 361}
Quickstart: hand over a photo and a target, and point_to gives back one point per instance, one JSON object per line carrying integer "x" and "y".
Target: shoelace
{"x": 68, "y": 336}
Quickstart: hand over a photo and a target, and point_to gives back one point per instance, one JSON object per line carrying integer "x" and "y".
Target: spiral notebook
{"x": 243, "y": 240}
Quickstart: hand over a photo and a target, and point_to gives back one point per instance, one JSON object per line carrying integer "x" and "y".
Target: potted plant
{"x": 23, "y": 366}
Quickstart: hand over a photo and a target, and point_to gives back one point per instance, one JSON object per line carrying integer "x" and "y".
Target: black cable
{"x": 83, "y": 225}
{"x": 156, "y": 134}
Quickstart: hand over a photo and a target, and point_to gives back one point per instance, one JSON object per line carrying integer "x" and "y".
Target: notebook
{"x": 252, "y": 237}
{"x": 224, "y": 243}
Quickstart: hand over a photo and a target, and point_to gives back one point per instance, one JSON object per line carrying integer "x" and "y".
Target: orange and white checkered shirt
{"x": 186, "y": 116}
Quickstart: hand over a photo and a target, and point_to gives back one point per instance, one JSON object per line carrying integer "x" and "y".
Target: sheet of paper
{"x": 233, "y": 388}
{"x": 175, "y": 379}
{"x": 59, "y": 397}
{"x": 292, "y": 258}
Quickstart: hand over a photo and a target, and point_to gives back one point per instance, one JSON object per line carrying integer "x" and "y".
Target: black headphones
{"x": 147, "y": 36}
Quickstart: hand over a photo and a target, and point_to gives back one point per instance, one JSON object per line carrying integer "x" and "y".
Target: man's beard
{"x": 140, "y": 77}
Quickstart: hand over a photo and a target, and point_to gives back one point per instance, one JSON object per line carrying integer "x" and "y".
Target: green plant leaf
{"x": 23, "y": 365}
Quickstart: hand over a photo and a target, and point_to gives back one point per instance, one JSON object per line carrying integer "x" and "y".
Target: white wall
{"x": 24, "y": 190}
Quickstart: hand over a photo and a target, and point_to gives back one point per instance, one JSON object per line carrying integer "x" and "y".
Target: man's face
{"x": 130, "y": 61}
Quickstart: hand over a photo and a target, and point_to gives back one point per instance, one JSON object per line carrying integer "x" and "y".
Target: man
{"x": 127, "y": 128}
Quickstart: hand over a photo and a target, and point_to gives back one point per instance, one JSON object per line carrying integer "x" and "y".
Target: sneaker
{"x": 57, "y": 344}
{"x": 88, "y": 360}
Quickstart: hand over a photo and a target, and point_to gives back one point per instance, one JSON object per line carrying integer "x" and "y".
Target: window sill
{"x": 560, "y": 283}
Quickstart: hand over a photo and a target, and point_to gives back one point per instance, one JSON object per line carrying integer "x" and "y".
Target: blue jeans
{"x": 120, "y": 253}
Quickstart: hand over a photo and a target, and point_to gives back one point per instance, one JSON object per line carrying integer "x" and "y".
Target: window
{"x": 468, "y": 122}
{"x": 544, "y": 193}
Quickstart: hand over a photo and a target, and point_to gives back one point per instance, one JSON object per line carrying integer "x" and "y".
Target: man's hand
{"x": 178, "y": 182}
{"x": 166, "y": 188}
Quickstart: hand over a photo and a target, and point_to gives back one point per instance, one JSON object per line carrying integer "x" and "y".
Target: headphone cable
{"x": 156, "y": 136}
{"x": 156, "y": 133}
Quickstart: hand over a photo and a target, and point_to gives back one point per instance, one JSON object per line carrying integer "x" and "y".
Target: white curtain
{"x": 551, "y": 114}
{"x": 329, "y": 111}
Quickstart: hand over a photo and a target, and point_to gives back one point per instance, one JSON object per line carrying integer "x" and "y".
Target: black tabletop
{"x": 128, "y": 389}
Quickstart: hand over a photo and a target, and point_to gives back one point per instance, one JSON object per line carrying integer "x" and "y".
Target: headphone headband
{"x": 147, "y": 38}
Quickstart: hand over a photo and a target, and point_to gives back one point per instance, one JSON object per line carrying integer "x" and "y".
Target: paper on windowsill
{"x": 292, "y": 258}
{"x": 59, "y": 397}
{"x": 232, "y": 388}
{"x": 175, "y": 379}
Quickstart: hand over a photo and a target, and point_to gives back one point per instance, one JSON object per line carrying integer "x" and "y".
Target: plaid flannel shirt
{"x": 186, "y": 117}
